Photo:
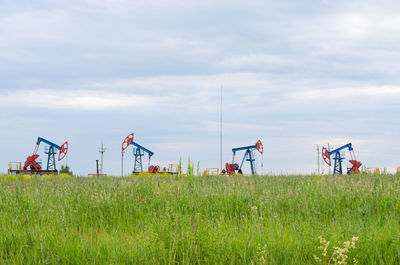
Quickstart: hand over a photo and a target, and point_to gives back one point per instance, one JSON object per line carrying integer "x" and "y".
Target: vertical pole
{"x": 318, "y": 158}
{"x": 262, "y": 164}
{"x": 97, "y": 167}
{"x": 329, "y": 149}
{"x": 102, "y": 150}
{"x": 122, "y": 163}
{"x": 220, "y": 151}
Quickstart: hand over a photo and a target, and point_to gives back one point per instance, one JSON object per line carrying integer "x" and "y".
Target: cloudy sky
{"x": 294, "y": 74}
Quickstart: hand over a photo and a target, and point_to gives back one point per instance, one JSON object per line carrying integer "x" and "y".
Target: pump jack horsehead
{"x": 355, "y": 165}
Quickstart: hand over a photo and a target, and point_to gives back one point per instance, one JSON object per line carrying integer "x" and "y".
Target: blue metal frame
{"x": 138, "y": 152}
{"x": 42, "y": 140}
{"x": 248, "y": 156}
{"x": 338, "y": 158}
{"x": 51, "y": 159}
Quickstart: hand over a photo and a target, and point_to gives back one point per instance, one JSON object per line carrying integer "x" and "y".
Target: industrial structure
{"x": 338, "y": 157}
{"x": 249, "y": 156}
{"x": 139, "y": 152}
{"x": 34, "y": 167}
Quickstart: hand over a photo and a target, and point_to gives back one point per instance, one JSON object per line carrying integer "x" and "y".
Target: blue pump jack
{"x": 51, "y": 152}
{"x": 248, "y": 156}
{"x": 138, "y": 153}
{"x": 338, "y": 158}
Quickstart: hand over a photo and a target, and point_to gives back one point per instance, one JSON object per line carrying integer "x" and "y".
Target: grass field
{"x": 200, "y": 220}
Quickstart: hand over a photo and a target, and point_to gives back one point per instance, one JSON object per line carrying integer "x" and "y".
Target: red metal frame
{"x": 260, "y": 147}
{"x": 326, "y": 156}
{"x": 127, "y": 141}
{"x": 63, "y": 152}
{"x": 31, "y": 161}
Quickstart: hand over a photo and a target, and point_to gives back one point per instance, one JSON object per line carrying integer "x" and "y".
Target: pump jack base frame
{"x": 32, "y": 172}
{"x": 155, "y": 173}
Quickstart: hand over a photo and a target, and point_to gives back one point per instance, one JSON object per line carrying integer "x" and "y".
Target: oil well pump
{"x": 31, "y": 164}
{"x": 249, "y": 156}
{"x": 338, "y": 157}
{"x": 138, "y": 152}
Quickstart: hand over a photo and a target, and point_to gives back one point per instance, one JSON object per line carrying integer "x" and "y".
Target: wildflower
{"x": 346, "y": 244}
{"x": 339, "y": 255}
{"x": 262, "y": 253}
{"x": 353, "y": 242}
{"x": 324, "y": 245}
{"x": 317, "y": 259}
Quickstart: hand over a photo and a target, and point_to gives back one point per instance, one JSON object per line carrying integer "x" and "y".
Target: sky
{"x": 295, "y": 74}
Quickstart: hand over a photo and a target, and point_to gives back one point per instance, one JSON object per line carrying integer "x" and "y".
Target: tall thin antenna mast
{"x": 220, "y": 158}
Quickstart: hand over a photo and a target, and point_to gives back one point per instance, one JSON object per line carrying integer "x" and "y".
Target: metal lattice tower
{"x": 138, "y": 153}
{"x": 51, "y": 160}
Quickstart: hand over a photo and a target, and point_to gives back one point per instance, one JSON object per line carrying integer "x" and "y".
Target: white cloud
{"x": 346, "y": 93}
{"x": 258, "y": 60}
{"x": 75, "y": 99}
{"x": 236, "y": 127}
{"x": 351, "y": 25}
{"x": 35, "y": 26}
{"x": 337, "y": 142}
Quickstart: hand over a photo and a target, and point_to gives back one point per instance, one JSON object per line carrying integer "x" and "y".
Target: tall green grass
{"x": 197, "y": 220}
